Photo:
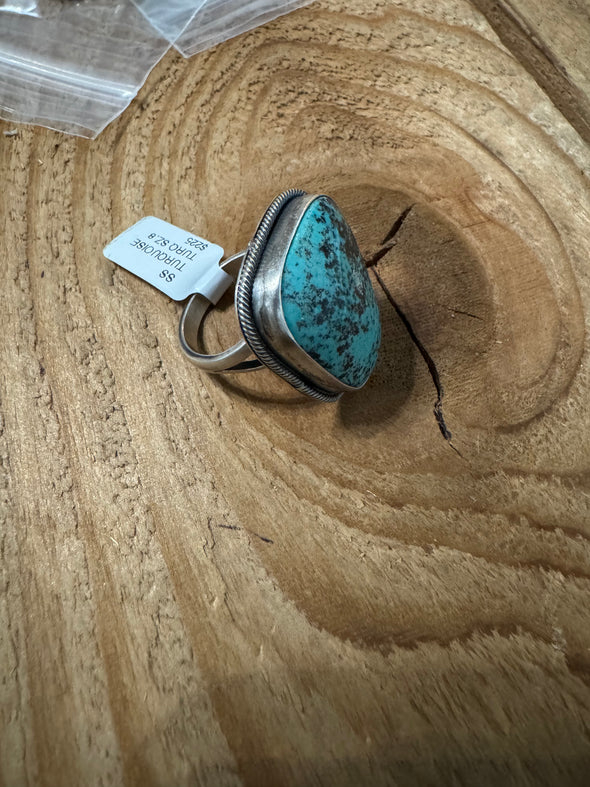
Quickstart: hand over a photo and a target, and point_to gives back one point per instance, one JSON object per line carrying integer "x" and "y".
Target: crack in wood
{"x": 397, "y": 225}
{"x": 371, "y": 263}
{"x": 250, "y": 532}
{"x": 467, "y": 314}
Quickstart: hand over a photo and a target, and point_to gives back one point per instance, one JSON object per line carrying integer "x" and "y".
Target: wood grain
{"x": 553, "y": 43}
{"x": 214, "y": 581}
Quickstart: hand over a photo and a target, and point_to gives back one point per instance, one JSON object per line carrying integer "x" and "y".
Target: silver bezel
{"x": 252, "y": 327}
{"x": 267, "y": 305}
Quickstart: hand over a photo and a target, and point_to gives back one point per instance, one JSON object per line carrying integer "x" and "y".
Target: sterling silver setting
{"x": 267, "y": 341}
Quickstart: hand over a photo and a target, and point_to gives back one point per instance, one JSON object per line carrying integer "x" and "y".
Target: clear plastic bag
{"x": 27, "y": 7}
{"x": 75, "y": 66}
{"x": 77, "y": 69}
{"x": 169, "y": 18}
{"x": 219, "y": 20}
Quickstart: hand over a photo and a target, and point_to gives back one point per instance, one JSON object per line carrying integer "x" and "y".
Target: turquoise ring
{"x": 303, "y": 299}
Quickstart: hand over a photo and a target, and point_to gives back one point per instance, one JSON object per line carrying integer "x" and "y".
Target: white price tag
{"x": 174, "y": 261}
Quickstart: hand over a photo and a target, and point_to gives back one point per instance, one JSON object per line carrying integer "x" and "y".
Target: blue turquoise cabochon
{"x": 327, "y": 298}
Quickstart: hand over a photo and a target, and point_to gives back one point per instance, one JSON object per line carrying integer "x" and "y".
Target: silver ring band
{"x": 235, "y": 359}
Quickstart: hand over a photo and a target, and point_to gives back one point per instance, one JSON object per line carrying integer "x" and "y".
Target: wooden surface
{"x": 215, "y": 582}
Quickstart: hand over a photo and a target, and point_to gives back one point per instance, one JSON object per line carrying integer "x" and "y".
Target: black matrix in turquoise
{"x": 327, "y": 298}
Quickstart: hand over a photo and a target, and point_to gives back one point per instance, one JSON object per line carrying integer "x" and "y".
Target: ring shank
{"x": 234, "y": 359}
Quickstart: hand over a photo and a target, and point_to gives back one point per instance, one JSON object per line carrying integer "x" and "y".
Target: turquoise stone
{"x": 327, "y": 298}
